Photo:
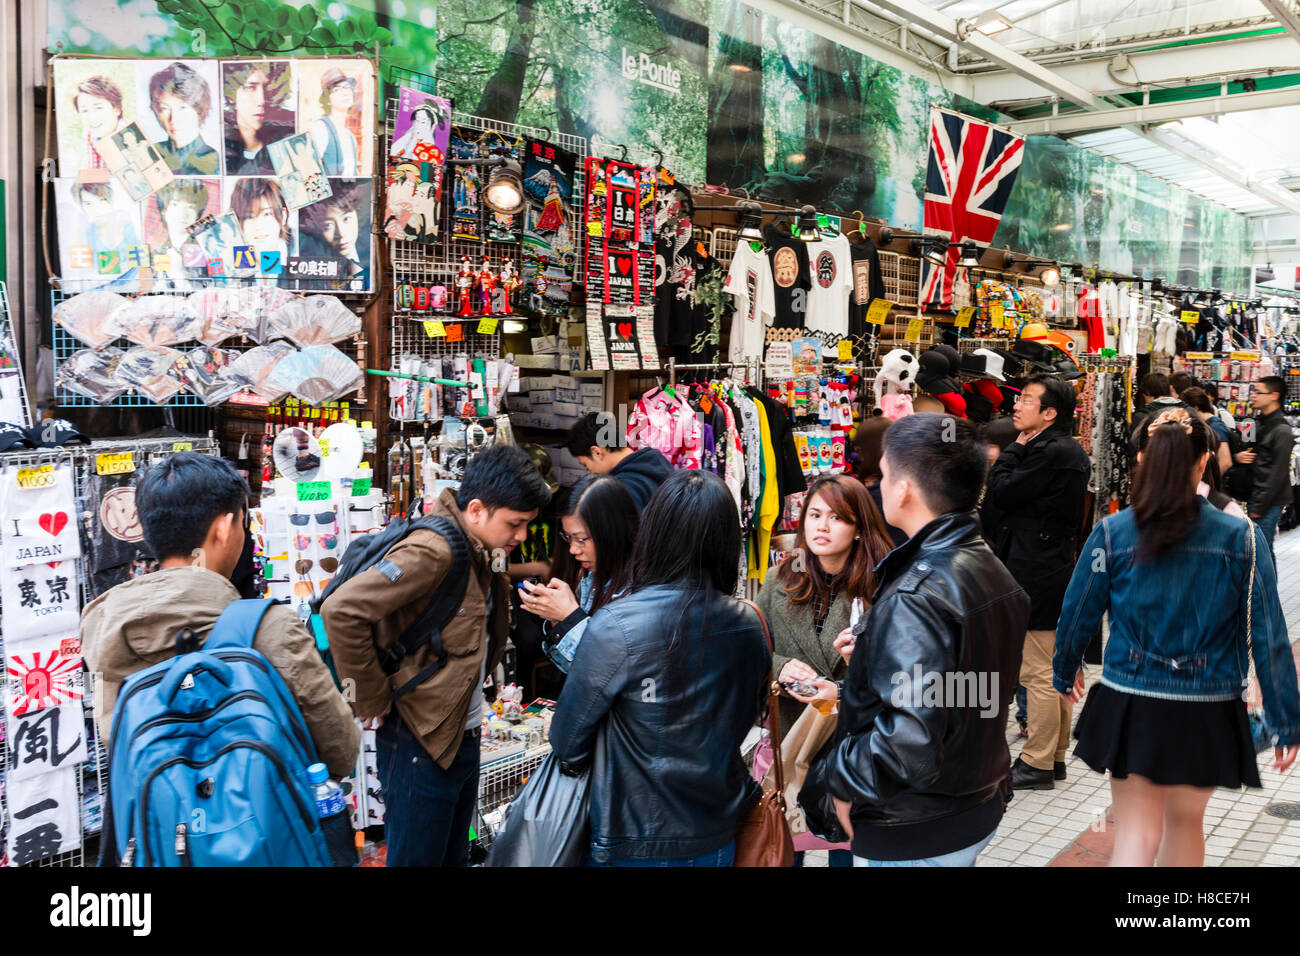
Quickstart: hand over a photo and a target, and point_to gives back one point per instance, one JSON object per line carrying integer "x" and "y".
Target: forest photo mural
{"x": 729, "y": 95}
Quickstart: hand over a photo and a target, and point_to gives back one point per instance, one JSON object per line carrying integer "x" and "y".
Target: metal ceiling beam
{"x": 1105, "y": 118}
{"x": 1274, "y": 194}
{"x": 1285, "y": 14}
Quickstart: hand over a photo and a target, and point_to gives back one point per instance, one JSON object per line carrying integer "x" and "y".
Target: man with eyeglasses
{"x": 1271, "y": 456}
{"x": 1033, "y": 509}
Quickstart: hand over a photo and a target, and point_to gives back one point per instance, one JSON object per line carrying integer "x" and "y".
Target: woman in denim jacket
{"x": 1168, "y": 719}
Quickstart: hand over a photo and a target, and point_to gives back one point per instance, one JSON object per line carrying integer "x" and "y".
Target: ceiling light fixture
{"x": 990, "y": 22}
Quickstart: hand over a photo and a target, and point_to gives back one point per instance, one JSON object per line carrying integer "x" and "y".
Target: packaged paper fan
{"x": 91, "y": 373}
{"x": 314, "y": 320}
{"x": 318, "y": 374}
{"x": 203, "y": 377}
{"x": 160, "y": 320}
{"x": 256, "y": 305}
{"x": 219, "y": 314}
{"x": 154, "y": 371}
{"x": 86, "y": 317}
{"x": 253, "y": 369}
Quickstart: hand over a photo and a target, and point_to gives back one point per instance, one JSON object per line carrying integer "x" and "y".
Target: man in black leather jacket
{"x": 920, "y": 766}
{"x": 1033, "y": 508}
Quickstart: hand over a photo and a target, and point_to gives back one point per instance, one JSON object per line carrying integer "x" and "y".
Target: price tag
{"x": 456, "y": 333}
{"x": 878, "y": 311}
{"x": 183, "y": 446}
{"x": 1198, "y": 356}
{"x": 845, "y": 348}
{"x": 324, "y": 447}
{"x": 964, "y": 316}
{"x": 360, "y": 487}
{"x": 313, "y": 491}
{"x": 435, "y": 330}
{"x": 122, "y": 463}
{"x": 996, "y": 315}
{"x": 42, "y": 477}
{"x": 1191, "y": 318}
{"x": 914, "y": 329}
{"x": 487, "y": 326}
{"x": 1245, "y": 357}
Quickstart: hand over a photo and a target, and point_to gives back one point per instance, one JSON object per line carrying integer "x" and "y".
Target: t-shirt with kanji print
{"x": 749, "y": 281}
{"x": 831, "y": 262}
{"x": 868, "y": 284}
{"x": 790, "y": 278}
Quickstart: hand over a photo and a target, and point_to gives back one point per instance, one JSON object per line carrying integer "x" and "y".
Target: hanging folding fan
{"x": 256, "y": 304}
{"x": 202, "y": 374}
{"x": 314, "y": 320}
{"x": 253, "y": 369}
{"x": 219, "y": 314}
{"x": 318, "y": 374}
{"x": 154, "y": 371}
{"x": 85, "y": 316}
{"x": 160, "y": 320}
{"x": 89, "y": 372}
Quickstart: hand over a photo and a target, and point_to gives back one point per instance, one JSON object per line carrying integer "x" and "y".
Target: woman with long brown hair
{"x": 808, "y": 599}
{"x": 1167, "y": 719}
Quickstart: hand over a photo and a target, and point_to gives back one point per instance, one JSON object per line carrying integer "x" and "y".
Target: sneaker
{"x": 1025, "y": 777}
{"x": 1058, "y": 770}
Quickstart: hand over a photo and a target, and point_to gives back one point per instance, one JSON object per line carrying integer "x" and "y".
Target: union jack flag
{"x": 969, "y": 175}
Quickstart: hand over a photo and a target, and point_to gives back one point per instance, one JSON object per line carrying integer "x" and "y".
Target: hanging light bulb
{"x": 505, "y": 188}
{"x": 751, "y": 222}
{"x": 930, "y": 248}
{"x": 808, "y": 230}
{"x": 1050, "y": 277}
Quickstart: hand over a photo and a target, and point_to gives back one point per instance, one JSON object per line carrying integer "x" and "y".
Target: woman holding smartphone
{"x": 809, "y": 598}
{"x": 599, "y": 526}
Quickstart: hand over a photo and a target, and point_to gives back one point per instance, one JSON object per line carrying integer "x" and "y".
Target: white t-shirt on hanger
{"x": 750, "y": 281}
{"x": 830, "y": 260}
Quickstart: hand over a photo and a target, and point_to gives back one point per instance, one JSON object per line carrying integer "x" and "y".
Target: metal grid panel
{"x": 82, "y": 460}
{"x": 10, "y": 340}
{"x": 499, "y": 781}
{"x": 436, "y": 263}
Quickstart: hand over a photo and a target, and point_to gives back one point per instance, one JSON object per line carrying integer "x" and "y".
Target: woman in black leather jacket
{"x": 664, "y": 687}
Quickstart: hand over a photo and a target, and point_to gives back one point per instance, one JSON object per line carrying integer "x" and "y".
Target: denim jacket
{"x": 1178, "y": 625}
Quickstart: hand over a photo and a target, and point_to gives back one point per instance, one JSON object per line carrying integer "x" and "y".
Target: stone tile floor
{"x": 1070, "y": 826}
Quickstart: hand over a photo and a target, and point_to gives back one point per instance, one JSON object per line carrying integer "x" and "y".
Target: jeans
{"x": 427, "y": 810}
{"x": 1268, "y": 523}
{"x": 1022, "y": 704}
{"x": 963, "y": 857}
{"x": 834, "y": 858}
{"x": 724, "y": 857}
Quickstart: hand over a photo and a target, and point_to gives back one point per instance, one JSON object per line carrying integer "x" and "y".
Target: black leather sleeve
{"x": 902, "y": 747}
{"x": 597, "y": 677}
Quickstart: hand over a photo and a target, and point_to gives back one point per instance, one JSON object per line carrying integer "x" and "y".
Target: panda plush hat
{"x": 894, "y": 382}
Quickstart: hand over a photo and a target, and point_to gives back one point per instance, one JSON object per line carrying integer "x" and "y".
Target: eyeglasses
{"x": 579, "y": 539}
{"x": 325, "y": 517}
{"x": 301, "y": 542}
{"x": 304, "y": 565}
{"x": 1028, "y": 402}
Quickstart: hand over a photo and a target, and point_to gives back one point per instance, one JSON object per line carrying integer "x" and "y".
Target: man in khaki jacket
{"x": 193, "y": 509}
{"x": 428, "y": 743}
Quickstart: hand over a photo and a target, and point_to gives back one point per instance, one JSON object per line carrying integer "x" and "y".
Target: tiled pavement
{"x": 1069, "y": 826}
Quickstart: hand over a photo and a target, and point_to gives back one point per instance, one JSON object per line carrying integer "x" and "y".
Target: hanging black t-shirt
{"x": 867, "y": 282}
{"x": 791, "y": 278}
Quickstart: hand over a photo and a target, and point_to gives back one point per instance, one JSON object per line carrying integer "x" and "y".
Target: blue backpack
{"x": 208, "y": 758}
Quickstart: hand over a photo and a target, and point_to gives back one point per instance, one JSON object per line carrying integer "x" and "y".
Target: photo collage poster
{"x": 421, "y": 137}
{"x": 190, "y": 172}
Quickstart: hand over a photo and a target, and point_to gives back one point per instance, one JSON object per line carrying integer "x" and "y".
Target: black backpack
{"x": 368, "y": 551}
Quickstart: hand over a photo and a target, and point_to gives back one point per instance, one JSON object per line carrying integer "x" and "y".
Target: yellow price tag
{"x": 964, "y": 316}
{"x": 1191, "y": 318}
{"x": 183, "y": 446}
{"x": 1198, "y": 356}
{"x": 487, "y": 326}
{"x": 845, "y": 348}
{"x": 1244, "y": 357}
{"x": 123, "y": 463}
{"x": 435, "y": 330}
{"x": 878, "y": 311}
{"x": 324, "y": 447}
{"x": 42, "y": 477}
{"x": 914, "y": 329}
{"x": 996, "y": 315}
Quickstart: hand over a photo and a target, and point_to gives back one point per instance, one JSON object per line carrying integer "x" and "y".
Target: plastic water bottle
{"x": 329, "y": 795}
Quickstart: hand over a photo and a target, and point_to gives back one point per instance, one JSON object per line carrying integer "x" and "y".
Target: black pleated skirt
{"x": 1170, "y": 742}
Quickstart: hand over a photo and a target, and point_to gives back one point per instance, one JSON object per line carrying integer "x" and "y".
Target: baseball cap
{"x": 13, "y": 436}
{"x": 55, "y": 433}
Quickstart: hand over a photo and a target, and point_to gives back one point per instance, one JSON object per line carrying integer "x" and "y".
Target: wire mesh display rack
{"x": 91, "y": 774}
{"x": 13, "y": 363}
{"x": 436, "y": 263}
{"x": 498, "y": 783}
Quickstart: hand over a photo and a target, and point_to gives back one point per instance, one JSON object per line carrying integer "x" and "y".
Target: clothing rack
{"x": 751, "y": 367}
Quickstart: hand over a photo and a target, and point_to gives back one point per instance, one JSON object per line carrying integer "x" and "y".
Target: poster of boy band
{"x": 176, "y": 174}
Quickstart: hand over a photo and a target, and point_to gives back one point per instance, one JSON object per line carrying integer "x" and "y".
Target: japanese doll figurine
{"x": 465, "y": 282}
{"x": 509, "y": 282}
{"x": 487, "y": 283}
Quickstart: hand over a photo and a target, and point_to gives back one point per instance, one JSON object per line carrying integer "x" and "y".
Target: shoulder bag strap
{"x": 1250, "y": 601}
{"x": 773, "y": 708}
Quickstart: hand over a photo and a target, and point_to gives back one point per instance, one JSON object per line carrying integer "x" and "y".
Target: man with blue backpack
{"x": 219, "y": 705}
{"x": 417, "y": 623}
